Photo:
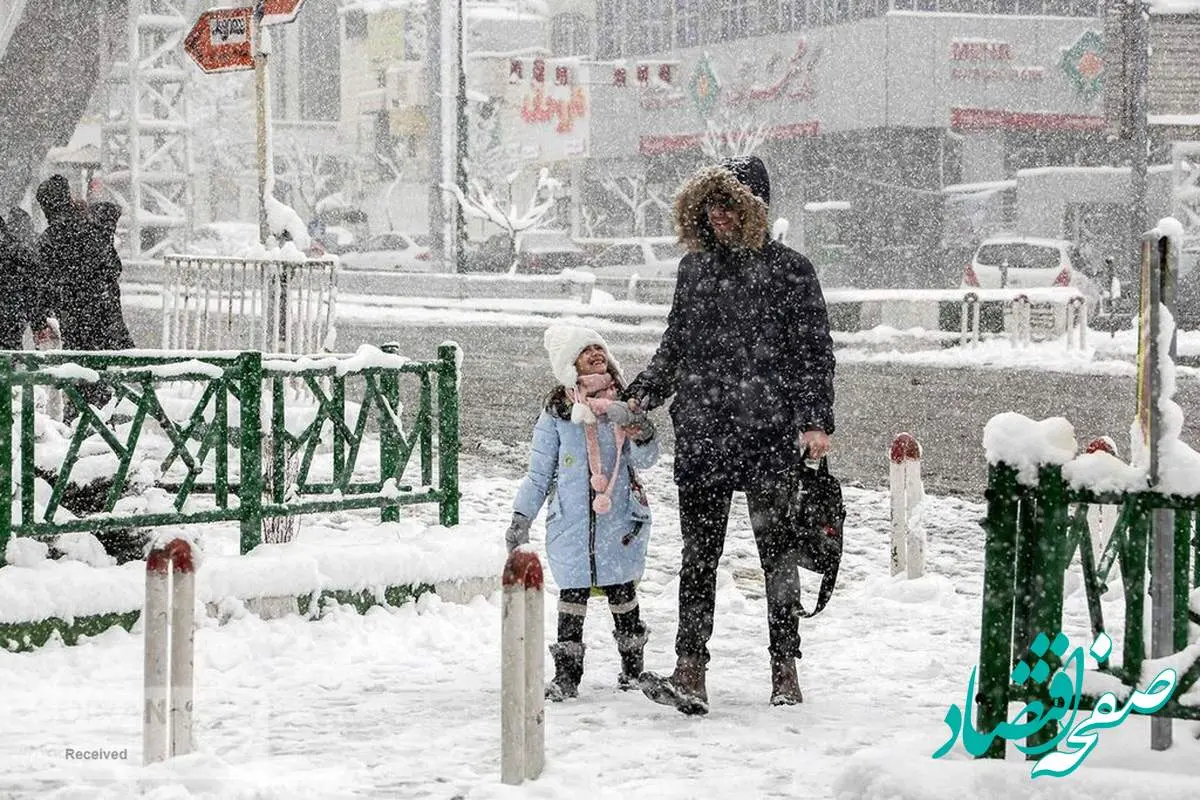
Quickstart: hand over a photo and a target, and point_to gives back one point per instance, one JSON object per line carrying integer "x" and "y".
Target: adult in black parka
{"x": 748, "y": 358}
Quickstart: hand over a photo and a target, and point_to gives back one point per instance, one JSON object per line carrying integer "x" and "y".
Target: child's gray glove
{"x": 518, "y": 531}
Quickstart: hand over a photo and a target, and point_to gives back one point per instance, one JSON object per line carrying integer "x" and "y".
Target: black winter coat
{"x": 747, "y": 356}
{"x": 20, "y": 299}
{"x": 77, "y": 256}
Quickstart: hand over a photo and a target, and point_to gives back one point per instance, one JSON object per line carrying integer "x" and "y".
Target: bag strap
{"x": 828, "y": 580}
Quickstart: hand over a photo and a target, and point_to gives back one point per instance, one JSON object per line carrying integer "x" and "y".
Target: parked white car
{"x": 391, "y": 250}
{"x": 647, "y": 257}
{"x": 223, "y": 238}
{"x": 1016, "y": 262}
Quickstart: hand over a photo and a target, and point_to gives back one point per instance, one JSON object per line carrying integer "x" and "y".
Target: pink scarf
{"x": 596, "y": 393}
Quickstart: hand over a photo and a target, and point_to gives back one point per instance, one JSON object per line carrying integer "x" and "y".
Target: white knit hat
{"x": 564, "y": 343}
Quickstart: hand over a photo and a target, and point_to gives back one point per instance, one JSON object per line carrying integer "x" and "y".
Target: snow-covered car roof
{"x": 1037, "y": 241}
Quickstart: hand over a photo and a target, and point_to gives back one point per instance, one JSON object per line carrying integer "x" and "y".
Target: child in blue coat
{"x": 586, "y": 446}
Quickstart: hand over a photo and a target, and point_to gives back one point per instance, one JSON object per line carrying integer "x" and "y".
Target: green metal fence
{"x": 1032, "y": 535}
{"x": 225, "y": 435}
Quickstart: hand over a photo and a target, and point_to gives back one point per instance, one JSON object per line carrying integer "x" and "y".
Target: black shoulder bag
{"x": 818, "y": 517}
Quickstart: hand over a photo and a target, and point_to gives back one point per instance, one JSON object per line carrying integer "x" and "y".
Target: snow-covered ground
{"x": 405, "y": 702}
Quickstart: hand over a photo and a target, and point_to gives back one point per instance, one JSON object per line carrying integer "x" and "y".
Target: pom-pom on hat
{"x": 564, "y": 343}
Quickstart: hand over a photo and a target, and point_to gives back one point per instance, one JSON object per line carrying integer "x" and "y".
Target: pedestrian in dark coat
{"x": 82, "y": 275}
{"x": 16, "y": 299}
{"x": 106, "y": 215}
{"x": 748, "y": 358}
{"x": 83, "y": 272}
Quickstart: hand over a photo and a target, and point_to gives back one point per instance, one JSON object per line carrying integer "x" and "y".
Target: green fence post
{"x": 1046, "y": 588}
{"x": 1196, "y": 550}
{"x": 995, "y": 642}
{"x": 1133, "y": 576}
{"x": 28, "y": 442}
{"x": 1183, "y": 545}
{"x": 1024, "y": 559}
{"x": 448, "y": 444}
{"x": 389, "y": 437}
{"x": 6, "y": 454}
{"x": 250, "y": 485}
{"x": 278, "y": 440}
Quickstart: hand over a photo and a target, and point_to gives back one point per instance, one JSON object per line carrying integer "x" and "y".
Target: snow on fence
{"x": 908, "y": 533}
{"x": 522, "y": 669}
{"x": 170, "y": 656}
{"x": 188, "y": 438}
{"x": 272, "y": 305}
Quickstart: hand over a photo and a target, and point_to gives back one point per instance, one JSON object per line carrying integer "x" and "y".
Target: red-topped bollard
{"x": 522, "y": 668}
{"x": 908, "y": 534}
{"x": 1102, "y": 519}
{"x": 170, "y": 635}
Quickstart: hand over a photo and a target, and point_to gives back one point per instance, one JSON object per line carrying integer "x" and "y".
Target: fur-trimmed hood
{"x": 745, "y": 180}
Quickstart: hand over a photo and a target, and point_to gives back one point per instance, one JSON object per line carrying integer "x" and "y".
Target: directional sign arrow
{"x": 220, "y": 40}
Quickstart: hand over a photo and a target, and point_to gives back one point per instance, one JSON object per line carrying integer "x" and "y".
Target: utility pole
{"x": 1137, "y": 40}
{"x": 433, "y": 76}
{"x": 262, "y": 49}
{"x": 462, "y": 142}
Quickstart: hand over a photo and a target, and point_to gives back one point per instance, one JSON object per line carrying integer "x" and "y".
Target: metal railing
{"x": 218, "y": 445}
{"x": 219, "y": 303}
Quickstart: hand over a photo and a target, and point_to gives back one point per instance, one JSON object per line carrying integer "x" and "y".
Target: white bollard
{"x": 522, "y": 669}
{"x": 169, "y": 624}
{"x": 970, "y": 320}
{"x": 1022, "y": 321}
{"x": 908, "y": 536}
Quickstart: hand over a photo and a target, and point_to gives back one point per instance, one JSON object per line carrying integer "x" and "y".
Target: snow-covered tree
{"x": 637, "y": 196}
{"x": 734, "y": 133}
{"x": 309, "y": 173}
{"x": 480, "y": 203}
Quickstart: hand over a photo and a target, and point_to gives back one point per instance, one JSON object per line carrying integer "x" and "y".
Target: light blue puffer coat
{"x": 585, "y": 548}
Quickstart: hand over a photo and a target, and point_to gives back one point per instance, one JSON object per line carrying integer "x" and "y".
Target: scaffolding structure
{"x": 147, "y": 141}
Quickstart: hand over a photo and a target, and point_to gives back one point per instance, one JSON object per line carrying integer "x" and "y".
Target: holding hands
{"x": 627, "y": 415}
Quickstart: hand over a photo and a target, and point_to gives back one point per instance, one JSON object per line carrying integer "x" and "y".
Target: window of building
{"x": 687, "y": 23}
{"x": 739, "y": 19}
{"x": 610, "y": 28}
{"x": 791, "y": 14}
{"x": 570, "y": 35}
{"x": 320, "y": 62}
{"x": 356, "y": 24}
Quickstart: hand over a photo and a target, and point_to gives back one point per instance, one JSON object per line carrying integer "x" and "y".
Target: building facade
{"x": 870, "y": 107}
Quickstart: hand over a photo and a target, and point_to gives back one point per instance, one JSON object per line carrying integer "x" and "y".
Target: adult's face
{"x": 724, "y": 218}
{"x": 592, "y": 361}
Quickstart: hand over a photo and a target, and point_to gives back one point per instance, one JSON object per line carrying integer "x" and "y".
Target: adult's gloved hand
{"x": 619, "y": 413}
{"x": 643, "y": 431}
{"x": 518, "y": 531}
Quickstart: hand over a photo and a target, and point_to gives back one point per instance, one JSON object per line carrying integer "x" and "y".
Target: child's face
{"x": 592, "y": 361}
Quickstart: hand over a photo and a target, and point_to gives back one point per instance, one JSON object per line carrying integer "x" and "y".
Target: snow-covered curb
{"x": 380, "y": 565}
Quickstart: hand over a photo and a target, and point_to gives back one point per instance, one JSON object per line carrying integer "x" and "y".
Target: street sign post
{"x": 220, "y": 40}
{"x": 278, "y": 12}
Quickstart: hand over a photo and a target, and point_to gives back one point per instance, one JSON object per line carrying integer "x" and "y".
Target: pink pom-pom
{"x": 599, "y": 483}
{"x": 602, "y": 504}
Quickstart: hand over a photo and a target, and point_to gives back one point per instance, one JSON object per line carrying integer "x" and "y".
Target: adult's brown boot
{"x": 685, "y": 688}
{"x": 785, "y": 687}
